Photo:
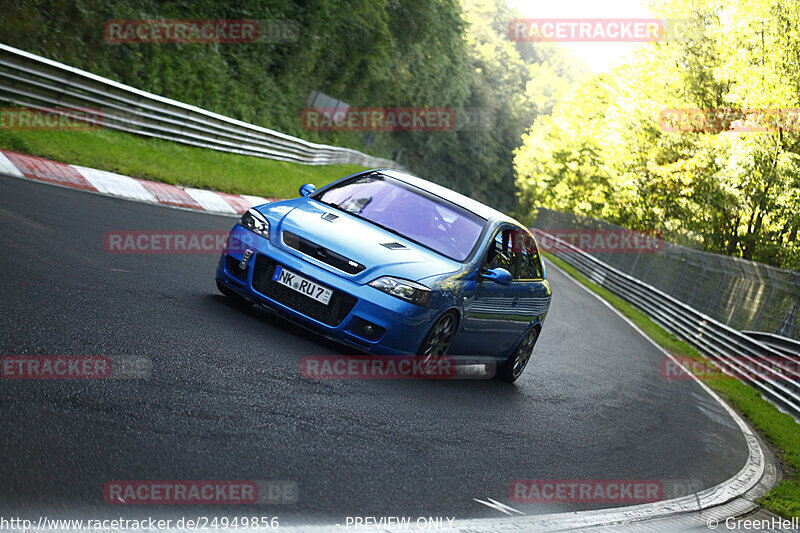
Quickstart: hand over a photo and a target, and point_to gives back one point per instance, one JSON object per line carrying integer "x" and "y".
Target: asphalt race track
{"x": 226, "y": 401}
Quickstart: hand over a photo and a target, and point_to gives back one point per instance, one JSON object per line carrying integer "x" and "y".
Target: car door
{"x": 492, "y": 320}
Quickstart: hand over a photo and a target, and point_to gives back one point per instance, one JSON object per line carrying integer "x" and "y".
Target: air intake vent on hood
{"x": 320, "y": 253}
{"x": 330, "y": 217}
{"x": 394, "y": 245}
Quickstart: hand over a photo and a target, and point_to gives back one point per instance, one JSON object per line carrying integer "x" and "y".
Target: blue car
{"x": 392, "y": 264}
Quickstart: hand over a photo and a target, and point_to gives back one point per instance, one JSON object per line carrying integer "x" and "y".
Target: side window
{"x": 526, "y": 256}
{"x": 532, "y": 265}
{"x": 516, "y": 251}
{"x": 500, "y": 256}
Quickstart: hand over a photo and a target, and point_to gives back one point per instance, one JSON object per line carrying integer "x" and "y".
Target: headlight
{"x": 404, "y": 289}
{"x": 255, "y": 222}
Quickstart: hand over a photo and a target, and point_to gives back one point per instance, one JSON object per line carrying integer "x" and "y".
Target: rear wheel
{"x": 512, "y": 368}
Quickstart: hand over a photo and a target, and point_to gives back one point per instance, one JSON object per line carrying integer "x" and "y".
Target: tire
{"x": 512, "y": 368}
{"x": 439, "y": 338}
{"x": 234, "y": 296}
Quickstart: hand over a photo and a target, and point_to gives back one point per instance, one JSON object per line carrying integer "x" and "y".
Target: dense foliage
{"x": 368, "y": 53}
{"x": 605, "y": 152}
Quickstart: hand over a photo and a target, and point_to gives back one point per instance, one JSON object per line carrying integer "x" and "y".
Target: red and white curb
{"x": 111, "y": 184}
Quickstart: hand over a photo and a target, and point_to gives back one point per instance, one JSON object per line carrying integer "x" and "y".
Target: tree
{"x": 714, "y": 188}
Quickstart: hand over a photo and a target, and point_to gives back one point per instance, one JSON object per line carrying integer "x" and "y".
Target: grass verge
{"x": 779, "y": 429}
{"x": 174, "y": 163}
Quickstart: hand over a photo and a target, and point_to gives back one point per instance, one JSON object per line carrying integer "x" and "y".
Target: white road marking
{"x": 503, "y": 508}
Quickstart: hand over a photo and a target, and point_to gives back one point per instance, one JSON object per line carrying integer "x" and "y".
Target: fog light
{"x": 365, "y": 329}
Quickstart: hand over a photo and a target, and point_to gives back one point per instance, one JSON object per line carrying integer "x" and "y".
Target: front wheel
{"x": 440, "y": 336}
{"x": 512, "y": 368}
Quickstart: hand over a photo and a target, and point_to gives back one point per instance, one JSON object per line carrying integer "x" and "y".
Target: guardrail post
{"x": 680, "y": 275}
{"x": 739, "y": 296}
{"x": 765, "y": 303}
{"x": 786, "y": 328}
{"x": 662, "y": 277}
{"x": 717, "y": 291}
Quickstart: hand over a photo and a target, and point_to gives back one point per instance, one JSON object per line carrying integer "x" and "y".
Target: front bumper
{"x": 398, "y": 327}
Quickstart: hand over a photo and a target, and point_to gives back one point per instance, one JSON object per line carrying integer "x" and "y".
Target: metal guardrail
{"x": 32, "y": 81}
{"x": 740, "y": 293}
{"x": 782, "y": 344}
{"x": 774, "y": 373}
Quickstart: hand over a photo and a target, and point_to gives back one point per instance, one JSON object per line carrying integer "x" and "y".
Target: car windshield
{"x": 409, "y": 212}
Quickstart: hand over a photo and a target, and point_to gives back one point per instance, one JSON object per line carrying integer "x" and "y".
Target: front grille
{"x": 320, "y": 253}
{"x": 332, "y": 314}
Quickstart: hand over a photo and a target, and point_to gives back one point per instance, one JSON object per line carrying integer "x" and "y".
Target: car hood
{"x": 363, "y": 242}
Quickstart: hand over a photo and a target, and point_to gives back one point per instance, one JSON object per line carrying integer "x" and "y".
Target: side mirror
{"x": 307, "y": 189}
{"x": 498, "y": 275}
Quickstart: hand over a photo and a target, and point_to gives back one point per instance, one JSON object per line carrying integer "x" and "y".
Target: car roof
{"x": 482, "y": 210}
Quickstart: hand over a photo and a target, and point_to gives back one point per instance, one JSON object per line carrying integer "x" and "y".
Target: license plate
{"x": 302, "y": 285}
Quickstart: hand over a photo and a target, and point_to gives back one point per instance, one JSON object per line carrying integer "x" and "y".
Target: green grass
{"x": 170, "y": 162}
{"x": 779, "y": 429}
